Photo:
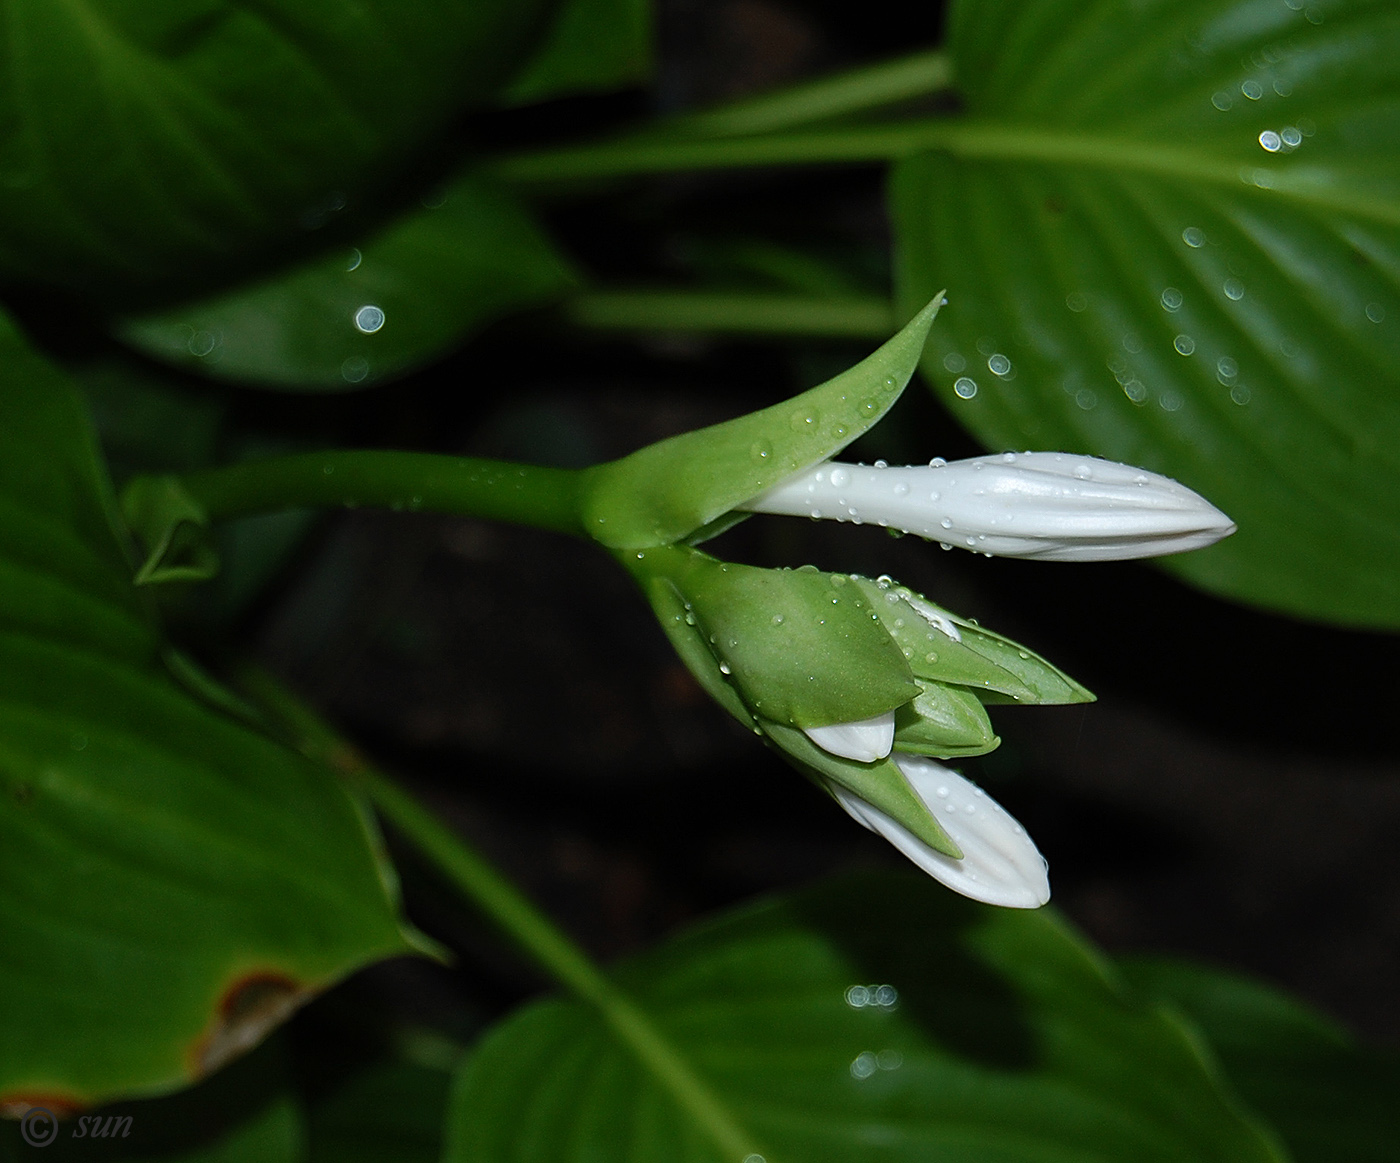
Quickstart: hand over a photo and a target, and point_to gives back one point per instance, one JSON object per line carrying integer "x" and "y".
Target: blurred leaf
{"x": 141, "y": 143}
{"x": 880, "y": 1018}
{"x": 1171, "y": 237}
{"x": 245, "y": 1114}
{"x": 171, "y": 883}
{"x": 172, "y": 528}
{"x": 391, "y": 1111}
{"x": 1332, "y": 1100}
{"x": 355, "y": 317}
{"x": 593, "y": 45}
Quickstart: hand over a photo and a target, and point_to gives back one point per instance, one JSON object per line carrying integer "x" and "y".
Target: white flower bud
{"x": 865, "y": 740}
{"x": 1045, "y": 505}
{"x": 999, "y": 866}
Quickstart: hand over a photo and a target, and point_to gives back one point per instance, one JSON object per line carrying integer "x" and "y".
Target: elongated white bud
{"x": 865, "y": 740}
{"x": 1000, "y": 865}
{"x": 1045, "y": 505}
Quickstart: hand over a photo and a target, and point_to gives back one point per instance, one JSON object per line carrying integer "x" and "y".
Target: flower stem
{"x": 870, "y": 87}
{"x": 847, "y": 316}
{"x": 547, "y": 498}
{"x": 514, "y": 914}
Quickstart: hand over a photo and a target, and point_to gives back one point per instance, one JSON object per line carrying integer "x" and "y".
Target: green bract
{"x": 666, "y": 491}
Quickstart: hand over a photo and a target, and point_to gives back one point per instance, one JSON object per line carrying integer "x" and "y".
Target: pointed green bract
{"x": 946, "y": 722}
{"x": 947, "y": 649}
{"x": 172, "y": 528}
{"x": 802, "y": 646}
{"x": 666, "y": 491}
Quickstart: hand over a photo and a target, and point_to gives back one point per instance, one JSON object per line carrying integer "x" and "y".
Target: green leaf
{"x": 363, "y": 314}
{"x": 879, "y": 1018}
{"x": 593, "y": 45}
{"x": 247, "y": 1112}
{"x": 666, "y": 491}
{"x": 151, "y": 143}
{"x": 1332, "y": 1100}
{"x": 1171, "y": 236}
{"x": 172, "y": 884}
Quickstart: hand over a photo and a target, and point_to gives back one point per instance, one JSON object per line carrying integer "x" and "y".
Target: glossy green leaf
{"x": 879, "y": 1018}
{"x": 354, "y": 317}
{"x": 172, "y": 884}
{"x": 149, "y": 143}
{"x": 1171, "y": 236}
{"x": 592, "y": 46}
{"x": 1332, "y": 1100}
{"x": 668, "y": 490}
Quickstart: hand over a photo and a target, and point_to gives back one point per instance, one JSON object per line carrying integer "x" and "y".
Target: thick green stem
{"x": 857, "y": 317}
{"x": 547, "y": 498}
{"x": 516, "y": 916}
{"x": 860, "y": 89}
{"x": 983, "y": 140}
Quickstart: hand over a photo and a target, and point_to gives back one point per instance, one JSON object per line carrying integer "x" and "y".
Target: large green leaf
{"x": 171, "y": 882}
{"x": 880, "y": 1018}
{"x": 1171, "y": 236}
{"x": 351, "y": 318}
{"x": 1332, "y": 1100}
{"x": 139, "y": 141}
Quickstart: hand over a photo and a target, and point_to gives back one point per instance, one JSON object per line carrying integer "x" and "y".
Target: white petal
{"x": 1000, "y": 864}
{"x": 864, "y": 740}
{"x": 1045, "y": 505}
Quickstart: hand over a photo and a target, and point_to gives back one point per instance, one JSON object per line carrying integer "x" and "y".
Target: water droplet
{"x": 1314, "y": 16}
{"x": 1287, "y": 348}
{"x": 689, "y": 618}
{"x": 1083, "y": 472}
{"x": 1086, "y": 399}
{"x": 1226, "y": 368}
{"x": 901, "y": 489}
{"x": 1375, "y": 312}
{"x": 840, "y": 478}
{"x": 998, "y": 364}
{"x": 1270, "y": 141}
{"x": 954, "y": 362}
{"x": 1135, "y": 390}
{"x": 1252, "y": 89}
{"x": 369, "y": 319}
{"x": 965, "y": 387}
{"x": 724, "y": 668}
{"x": 760, "y": 450}
{"x": 1170, "y": 402}
{"x": 947, "y": 522}
{"x": 931, "y": 656}
{"x": 1292, "y": 136}
{"x": 1234, "y": 289}
{"x": 354, "y": 369}
{"x": 1240, "y": 394}
{"x": 1193, "y": 236}
{"x": 201, "y": 343}
{"x": 1222, "y": 101}
{"x": 777, "y": 619}
{"x": 937, "y": 462}
{"x": 986, "y": 345}
{"x": 864, "y": 1065}
{"x": 355, "y": 259}
{"x": 1172, "y": 299}
{"x": 869, "y": 407}
{"x": 1076, "y": 301}
{"x": 1184, "y": 344}
{"x": 805, "y": 420}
